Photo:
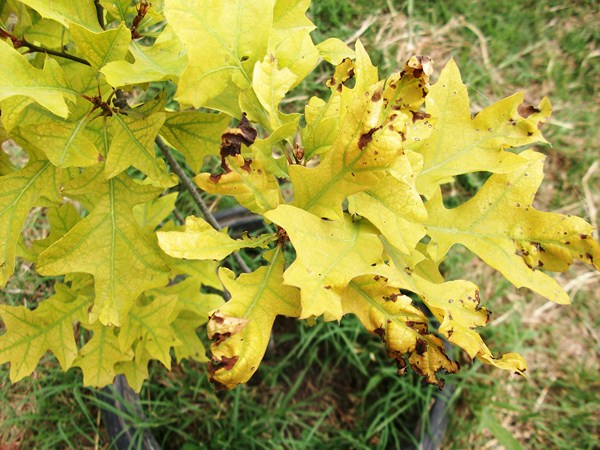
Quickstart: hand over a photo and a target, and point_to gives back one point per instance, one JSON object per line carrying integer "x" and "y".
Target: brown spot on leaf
{"x": 526, "y": 110}
{"x": 366, "y": 138}
{"x": 421, "y": 347}
{"x": 583, "y": 236}
{"x": 247, "y": 165}
{"x": 379, "y": 332}
{"x": 376, "y": 96}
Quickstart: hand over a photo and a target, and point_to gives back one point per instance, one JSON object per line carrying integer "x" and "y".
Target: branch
{"x": 195, "y": 193}
{"x": 32, "y": 48}
{"x": 99, "y": 13}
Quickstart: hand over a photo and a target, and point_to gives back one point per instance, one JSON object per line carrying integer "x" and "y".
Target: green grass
{"x": 334, "y": 387}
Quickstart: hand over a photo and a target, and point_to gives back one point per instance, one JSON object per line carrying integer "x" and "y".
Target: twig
{"x": 189, "y": 185}
{"x": 99, "y": 13}
{"x": 32, "y": 48}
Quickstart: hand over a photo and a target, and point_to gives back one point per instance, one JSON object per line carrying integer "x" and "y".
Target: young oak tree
{"x": 366, "y": 163}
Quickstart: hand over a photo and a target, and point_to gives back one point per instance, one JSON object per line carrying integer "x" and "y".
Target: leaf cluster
{"x": 353, "y": 183}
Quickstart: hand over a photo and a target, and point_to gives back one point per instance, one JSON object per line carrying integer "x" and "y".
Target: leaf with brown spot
{"x": 402, "y": 327}
{"x": 241, "y": 328}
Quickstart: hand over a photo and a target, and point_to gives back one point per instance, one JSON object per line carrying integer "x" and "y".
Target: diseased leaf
{"x": 240, "y": 329}
{"x": 455, "y": 304}
{"x": 201, "y": 241}
{"x": 459, "y": 144}
{"x": 369, "y": 140}
{"x": 501, "y": 226}
{"x": 404, "y": 329}
{"x": 45, "y": 86}
{"x": 30, "y": 334}
{"x": 247, "y": 181}
{"x": 110, "y": 245}
{"x": 329, "y": 255}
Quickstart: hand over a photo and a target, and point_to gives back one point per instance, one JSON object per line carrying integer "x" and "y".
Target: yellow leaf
{"x": 195, "y": 134}
{"x": 201, "y": 241}
{"x": 20, "y": 191}
{"x": 394, "y": 207}
{"x": 241, "y": 329}
{"x": 150, "y": 324}
{"x": 46, "y": 86}
{"x": 67, "y": 12}
{"x": 98, "y": 357}
{"x": 223, "y": 39}
{"x": 102, "y": 244}
{"x": 164, "y": 59}
{"x": 501, "y": 226}
{"x": 459, "y": 144}
{"x": 247, "y": 181}
{"x": 404, "y": 329}
{"x": 328, "y": 255}
{"x": 100, "y": 48}
{"x": 132, "y": 144}
{"x": 29, "y": 334}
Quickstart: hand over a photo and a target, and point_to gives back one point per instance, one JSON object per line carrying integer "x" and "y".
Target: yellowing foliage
{"x": 349, "y": 186}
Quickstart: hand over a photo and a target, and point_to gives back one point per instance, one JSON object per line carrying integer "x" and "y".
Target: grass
{"x": 333, "y": 387}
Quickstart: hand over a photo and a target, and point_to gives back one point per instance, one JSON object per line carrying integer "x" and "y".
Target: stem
{"x": 195, "y": 193}
{"x": 99, "y": 13}
{"x": 32, "y": 48}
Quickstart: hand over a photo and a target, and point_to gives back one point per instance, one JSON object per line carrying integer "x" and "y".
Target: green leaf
{"x": 98, "y": 357}
{"x": 195, "y": 134}
{"x": 45, "y": 86}
{"x": 199, "y": 240}
{"x": 501, "y": 226}
{"x": 460, "y": 144}
{"x": 110, "y": 245}
{"x": 29, "y": 334}
{"x": 67, "y": 12}
{"x": 101, "y": 48}
{"x": 19, "y": 192}
{"x": 241, "y": 329}
{"x": 165, "y": 59}
{"x": 329, "y": 255}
